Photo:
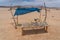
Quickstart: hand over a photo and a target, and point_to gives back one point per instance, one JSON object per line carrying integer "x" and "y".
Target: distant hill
{"x": 28, "y": 6}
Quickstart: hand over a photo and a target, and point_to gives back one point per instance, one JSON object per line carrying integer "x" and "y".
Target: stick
{"x": 40, "y": 18}
{"x": 17, "y": 19}
{"x": 13, "y": 18}
{"x": 45, "y": 12}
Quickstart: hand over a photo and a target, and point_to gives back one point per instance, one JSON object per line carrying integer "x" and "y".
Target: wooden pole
{"x": 45, "y": 12}
{"x": 46, "y": 27}
{"x": 17, "y": 19}
{"x": 13, "y": 15}
{"x": 40, "y": 18}
{"x": 13, "y": 18}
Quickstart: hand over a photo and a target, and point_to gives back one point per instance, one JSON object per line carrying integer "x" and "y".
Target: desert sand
{"x": 8, "y": 32}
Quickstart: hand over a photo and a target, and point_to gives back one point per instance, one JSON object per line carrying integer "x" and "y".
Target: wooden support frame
{"x": 46, "y": 28}
{"x": 45, "y": 11}
{"x": 17, "y": 19}
{"x": 40, "y": 17}
{"x": 13, "y": 18}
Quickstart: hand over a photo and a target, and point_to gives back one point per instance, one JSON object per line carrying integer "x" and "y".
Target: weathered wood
{"x": 29, "y": 28}
{"x": 46, "y": 28}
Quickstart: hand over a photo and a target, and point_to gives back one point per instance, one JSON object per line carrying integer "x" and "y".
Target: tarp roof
{"x": 21, "y": 11}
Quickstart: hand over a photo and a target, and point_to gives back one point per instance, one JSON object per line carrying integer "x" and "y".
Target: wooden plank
{"x": 30, "y": 28}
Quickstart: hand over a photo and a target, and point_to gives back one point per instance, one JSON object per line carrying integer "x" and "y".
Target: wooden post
{"x": 45, "y": 11}
{"x": 17, "y": 19}
{"x": 46, "y": 28}
{"x": 13, "y": 18}
{"x": 40, "y": 18}
{"x": 21, "y": 31}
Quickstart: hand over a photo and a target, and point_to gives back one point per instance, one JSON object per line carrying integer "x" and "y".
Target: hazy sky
{"x": 49, "y": 3}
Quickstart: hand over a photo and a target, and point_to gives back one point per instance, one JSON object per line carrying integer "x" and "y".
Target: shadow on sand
{"x": 34, "y": 31}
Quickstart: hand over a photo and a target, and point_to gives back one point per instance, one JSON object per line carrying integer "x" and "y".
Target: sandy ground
{"x": 8, "y": 32}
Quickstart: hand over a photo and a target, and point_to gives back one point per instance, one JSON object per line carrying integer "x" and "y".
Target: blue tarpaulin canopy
{"x": 21, "y": 11}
